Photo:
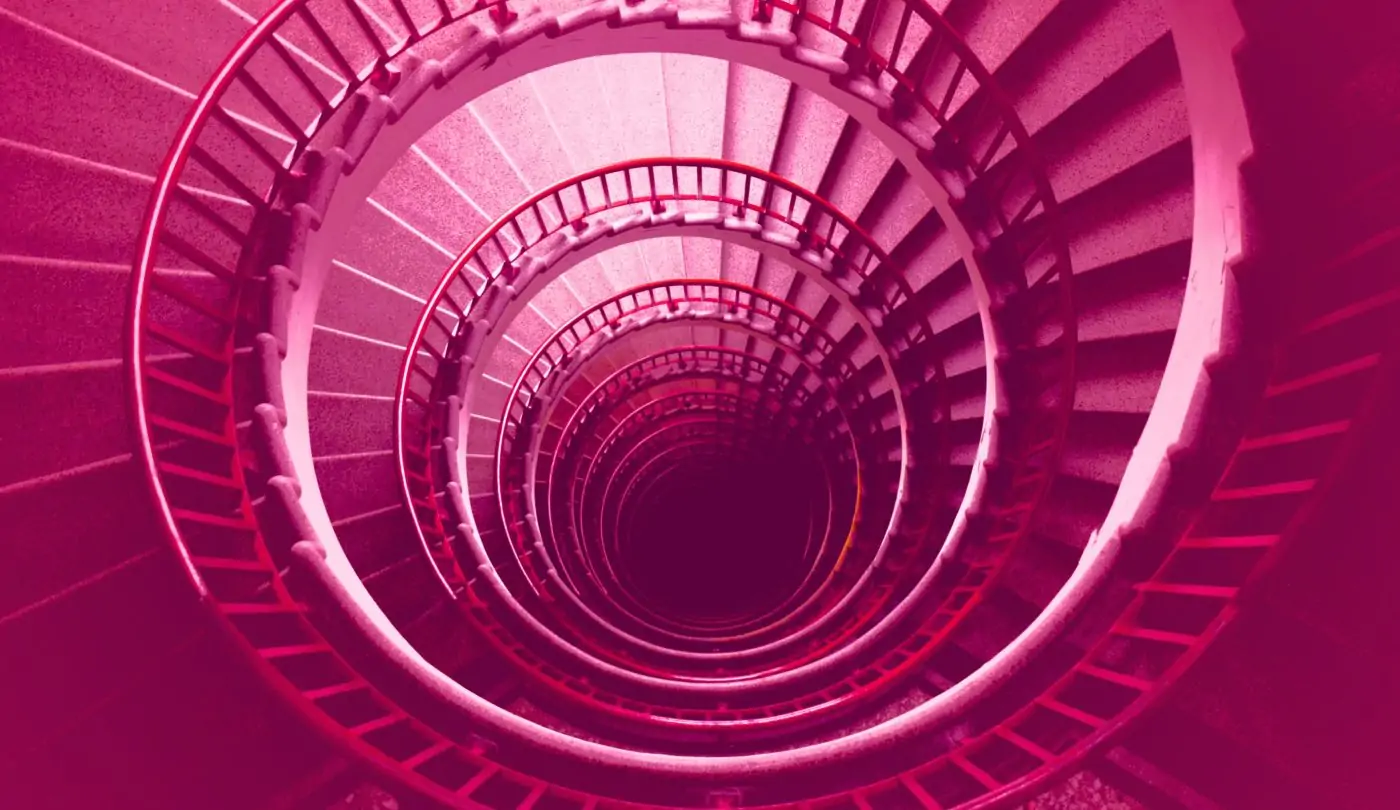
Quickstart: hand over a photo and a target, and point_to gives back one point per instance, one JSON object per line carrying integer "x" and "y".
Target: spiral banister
{"x": 648, "y": 372}
{"x": 537, "y": 576}
{"x": 253, "y": 333}
{"x": 584, "y": 424}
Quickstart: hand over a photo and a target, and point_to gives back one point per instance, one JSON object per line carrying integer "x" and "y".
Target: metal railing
{"x": 604, "y": 399}
{"x": 583, "y": 438}
{"x": 206, "y": 315}
{"x": 454, "y": 569}
{"x": 195, "y": 402}
{"x": 497, "y": 260}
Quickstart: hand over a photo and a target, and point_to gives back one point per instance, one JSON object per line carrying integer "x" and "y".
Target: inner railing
{"x": 242, "y": 137}
{"x": 518, "y": 460}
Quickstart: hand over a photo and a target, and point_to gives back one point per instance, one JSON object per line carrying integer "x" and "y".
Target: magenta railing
{"x": 604, "y": 398}
{"x": 189, "y": 412}
{"x": 582, "y": 437}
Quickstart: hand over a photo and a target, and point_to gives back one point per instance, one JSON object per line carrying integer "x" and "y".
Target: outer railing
{"x": 205, "y": 333}
{"x": 184, "y": 229}
{"x": 970, "y": 136}
{"x": 497, "y": 264}
{"x": 480, "y": 286}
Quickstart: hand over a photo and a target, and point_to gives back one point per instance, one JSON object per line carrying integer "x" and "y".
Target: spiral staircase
{"x": 867, "y": 404}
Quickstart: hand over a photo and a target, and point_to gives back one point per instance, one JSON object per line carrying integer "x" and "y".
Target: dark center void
{"x": 719, "y": 537}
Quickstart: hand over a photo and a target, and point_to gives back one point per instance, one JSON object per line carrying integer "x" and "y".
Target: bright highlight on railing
{"x": 210, "y": 420}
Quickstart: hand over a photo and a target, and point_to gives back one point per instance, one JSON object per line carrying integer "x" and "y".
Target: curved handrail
{"x": 474, "y": 542}
{"x": 571, "y": 205}
{"x": 580, "y": 425}
{"x": 782, "y": 319}
{"x": 628, "y": 382}
{"x": 168, "y": 189}
{"x": 573, "y": 428}
{"x": 207, "y": 232}
{"x": 531, "y": 223}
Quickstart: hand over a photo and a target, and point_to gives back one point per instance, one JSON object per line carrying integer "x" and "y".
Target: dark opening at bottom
{"x": 721, "y": 538}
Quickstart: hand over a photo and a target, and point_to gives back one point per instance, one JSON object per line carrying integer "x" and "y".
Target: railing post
{"x": 502, "y": 14}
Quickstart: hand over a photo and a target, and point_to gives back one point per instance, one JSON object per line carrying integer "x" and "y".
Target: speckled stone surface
{"x": 753, "y": 122}
{"x": 417, "y": 193}
{"x": 890, "y": 222}
{"x": 67, "y": 99}
{"x": 519, "y": 121}
{"x": 1083, "y": 791}
{"x": 1073, "y": 50}
{"x": 475, "y": 160}
{"x": 862, "y": 168}
{"x": 695, "y": 113}
{"x": 69, "y": 419}
{"x": 347, "y": 364}
{"x": 377, "y": 244}
{"x": 1137, "y": 112}
{"x": 352, "y": 302}
{"x": 178, "y": 42}
{"x": 1137, "y": 296}
{"x": 1147, "y": 207}
{"x": 574, "y": 117}
{"x": 993, "y": 29}
{"x": 805, "y": 149}
{"x": 367, "y": 797}
{"x": 59, "y": 209}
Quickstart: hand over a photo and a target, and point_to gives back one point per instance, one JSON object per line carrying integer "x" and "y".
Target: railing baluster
{"x": 241, "y": 133}
{"x": 402, "y": 11}
{"x": 218, "y": 220}
{"x": 185, "y": 343}
{"x": 898, "y": 46}
{"x": 172, "y": 290}
{"x": 347, "y": 71}
{"x": 953, "y": 83}
{"x": 992, "y": 148}
{"x": 165, "y": 378}
{"x": 322, "y": 103}
{"x": 223, "y": 175}
{"x": 558, "y": 198}
{"x": 353, "y": 6}
{"x": 297, "y": 131}
{"x": 196, "y": 255}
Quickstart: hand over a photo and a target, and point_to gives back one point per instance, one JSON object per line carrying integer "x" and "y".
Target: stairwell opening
{"x": 722, "y": 536}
